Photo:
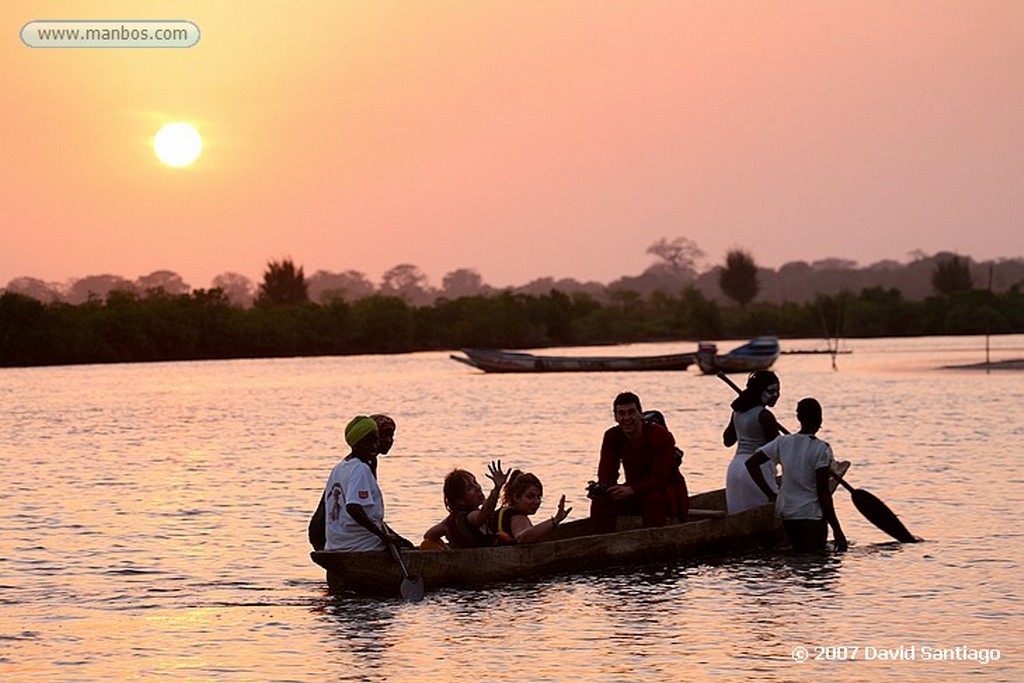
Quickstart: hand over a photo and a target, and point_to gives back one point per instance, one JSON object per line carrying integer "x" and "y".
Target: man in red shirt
{"x": 654, "y": 488}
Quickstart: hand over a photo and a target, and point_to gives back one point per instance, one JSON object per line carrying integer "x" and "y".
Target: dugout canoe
{"x": 495, "y": 360}
{"x": 759, "y": 353}
{"x": 572, "y": 549}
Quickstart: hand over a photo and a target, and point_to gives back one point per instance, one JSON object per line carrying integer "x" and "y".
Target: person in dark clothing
{"x": 653, "y": 486}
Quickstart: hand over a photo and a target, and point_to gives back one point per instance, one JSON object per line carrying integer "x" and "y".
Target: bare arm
{"x": 499, "y": 477}
{"x": 828, "y": 509}
{"x": 435, "y": 533}
{"x": 729, "y": 435}
{"x": 754, "y": 463}
{"x": 769, "y": 424}
{"x": 356, "y": 511}
{"x": 524, "y": 531}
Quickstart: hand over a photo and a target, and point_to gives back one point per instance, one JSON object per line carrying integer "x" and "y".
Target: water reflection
{"x": 358, "y": 625}
{"x": 176, "y": 546}
{"x": 817, "y": 572}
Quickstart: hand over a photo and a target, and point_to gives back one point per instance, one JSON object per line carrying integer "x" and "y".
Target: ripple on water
{"x": 173, "y": 544}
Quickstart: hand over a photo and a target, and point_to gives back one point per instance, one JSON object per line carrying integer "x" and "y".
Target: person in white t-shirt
{"x": 804, "y": 501}
{"x": 317, "y": 527}
{"x": 354, "y": 504}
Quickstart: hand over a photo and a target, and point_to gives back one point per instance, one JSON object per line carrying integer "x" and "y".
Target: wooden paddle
{"x": 412, "y": 586}
{"x": 873, "y": 509}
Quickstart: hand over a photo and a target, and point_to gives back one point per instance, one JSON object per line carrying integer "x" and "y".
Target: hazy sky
{"x": 520, "y": 138}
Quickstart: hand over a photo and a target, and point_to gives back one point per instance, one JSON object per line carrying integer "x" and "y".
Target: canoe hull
{"x": 492, "y": 360}
{"x": 572, "y": 549}
{"x": 758, "y": 354}
{"x": 376, "y": 573}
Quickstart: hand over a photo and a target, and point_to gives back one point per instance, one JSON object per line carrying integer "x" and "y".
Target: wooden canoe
{"x": 571, "y": 549}
{"x": 759, "y": 353}
{"x": 494, "y": 360}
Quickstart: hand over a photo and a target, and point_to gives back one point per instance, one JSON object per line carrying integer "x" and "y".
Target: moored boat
{"x": 572, "y": 548}
{"x": 759, "y": 353}
{"x": 494, "y": 360}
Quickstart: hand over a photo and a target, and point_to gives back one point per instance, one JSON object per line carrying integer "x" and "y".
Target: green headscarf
{"x": 358, "y": 429}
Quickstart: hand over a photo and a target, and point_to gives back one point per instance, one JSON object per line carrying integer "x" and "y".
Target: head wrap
{"x": 358, "y": 428}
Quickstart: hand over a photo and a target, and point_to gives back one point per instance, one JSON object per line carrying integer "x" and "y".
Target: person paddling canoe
{"x": 317, "y": 528}
{"x": 353, "y": 501}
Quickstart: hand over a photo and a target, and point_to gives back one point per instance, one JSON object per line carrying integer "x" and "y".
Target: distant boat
{"x": 757, "y": 354}
{"x": 493, "y": 360}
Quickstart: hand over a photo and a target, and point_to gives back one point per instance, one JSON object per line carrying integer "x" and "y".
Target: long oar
{"x": 878, "y": 513}
{"x": 412, "y": 586}
{"x": 873, "y": 509}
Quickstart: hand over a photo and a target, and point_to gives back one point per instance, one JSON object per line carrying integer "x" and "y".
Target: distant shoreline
{"x": 1015, "y": 364}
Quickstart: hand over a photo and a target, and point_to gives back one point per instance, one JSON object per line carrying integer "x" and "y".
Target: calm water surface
{"x": 153, "y": 524}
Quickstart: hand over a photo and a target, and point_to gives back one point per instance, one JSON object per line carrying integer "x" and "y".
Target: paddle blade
{"x": 879, "y": 514}
{"x": 412, "y": 589}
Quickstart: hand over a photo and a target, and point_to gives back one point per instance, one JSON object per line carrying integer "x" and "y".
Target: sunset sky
{"x": 523, "y": 139}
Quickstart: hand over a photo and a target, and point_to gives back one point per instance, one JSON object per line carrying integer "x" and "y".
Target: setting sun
{"x": 177, "y": 144}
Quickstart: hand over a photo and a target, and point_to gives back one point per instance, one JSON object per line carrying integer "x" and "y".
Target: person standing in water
{"x": 804, "y": 501}
{"x": 751, "y": 426}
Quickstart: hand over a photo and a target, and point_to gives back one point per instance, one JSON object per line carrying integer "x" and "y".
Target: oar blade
{"x": 412, "y": 588}
{"x": 879, "y": 514}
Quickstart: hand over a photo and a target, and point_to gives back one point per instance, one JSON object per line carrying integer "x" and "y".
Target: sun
{"x": 177, "y": 144}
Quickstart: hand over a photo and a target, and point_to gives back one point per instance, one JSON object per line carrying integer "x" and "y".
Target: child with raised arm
{"x": 468, "y": 510}
{"x": 522, "y": 498}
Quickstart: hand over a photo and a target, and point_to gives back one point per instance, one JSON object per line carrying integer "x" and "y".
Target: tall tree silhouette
{"x": 283, "y": 285}
{"x": 738, "y": 279}
{"x": 952, "y": 276}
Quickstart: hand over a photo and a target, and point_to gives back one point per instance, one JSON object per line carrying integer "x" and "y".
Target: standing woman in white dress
{"x": 751, "y": 426}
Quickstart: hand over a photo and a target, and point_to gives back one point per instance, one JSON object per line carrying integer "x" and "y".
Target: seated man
{"x": 654, "y": 488}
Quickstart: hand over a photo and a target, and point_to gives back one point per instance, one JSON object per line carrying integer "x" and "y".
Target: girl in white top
{"x": 751, "y": 426}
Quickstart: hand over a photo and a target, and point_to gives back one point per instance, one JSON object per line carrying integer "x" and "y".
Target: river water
{"x": 153, "y": 524}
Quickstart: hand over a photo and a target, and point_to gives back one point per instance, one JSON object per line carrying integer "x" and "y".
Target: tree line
{"x": 205, "y": 324}
{"x": 677, "y": 264}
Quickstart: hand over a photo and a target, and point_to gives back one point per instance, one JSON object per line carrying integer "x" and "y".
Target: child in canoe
{"x": 522, "y": 498}
{"x": 468, "y": 510}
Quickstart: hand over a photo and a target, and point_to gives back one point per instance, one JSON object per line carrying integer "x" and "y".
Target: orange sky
{"x": 523, "y": 139}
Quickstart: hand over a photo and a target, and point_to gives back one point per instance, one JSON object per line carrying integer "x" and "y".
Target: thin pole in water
{"x": 988, "y": 324}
